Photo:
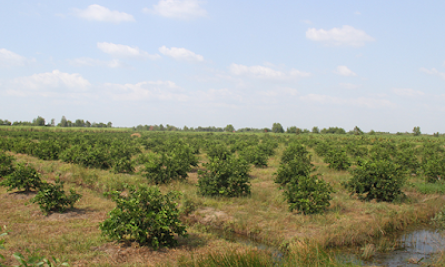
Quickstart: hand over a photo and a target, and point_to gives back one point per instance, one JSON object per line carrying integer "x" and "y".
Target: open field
{"x": 262, "y": 216}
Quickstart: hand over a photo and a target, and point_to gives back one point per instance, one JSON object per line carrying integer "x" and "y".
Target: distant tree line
{"x": 40, "y": 121}
{"x": 276, "y": 127}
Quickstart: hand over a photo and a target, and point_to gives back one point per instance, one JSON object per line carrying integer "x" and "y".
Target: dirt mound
{"x": 210, "y": 216}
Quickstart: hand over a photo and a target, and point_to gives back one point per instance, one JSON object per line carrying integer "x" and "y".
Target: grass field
{"x": 263, "y": 216}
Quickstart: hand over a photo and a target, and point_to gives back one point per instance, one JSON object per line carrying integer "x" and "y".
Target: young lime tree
{"x": 6, "y": 166}
{"x": 146, "y": 216}
{"x": 224, "y": 177}
{"x": 308, "y": 194}
{"x": 305, "y": 192}
{"x": 52, "y": 197}
{"x": 377, "y": 179}
{"x": 25, "y": 177}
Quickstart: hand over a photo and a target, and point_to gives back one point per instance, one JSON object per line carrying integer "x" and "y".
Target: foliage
{"x": 224, "y": 177}
{"x": 229, "y": 128}
{"x": 308, "y": 194}
{"x": 162, "y": 169}
{"x": 434, "y": 169}
{"x": 218, "y": 151}
{"x": 277, "y": 128}
{"x": 6, "y": 166}
{"x": 439, "y": 219}
{"x": 416, "y": 131}
{"x": 289, "y": 171}
{"x": 24, "y": 177}
{"x": 33, "y": 260}
{"x": 52, "y": 197}
{"x": 145, "y": 215}
{"x": 1, "y": 245}
{"x": 408, "y": 160}
{"x": 37, "y": 260}
{"x": 337, "y": 160}
{"x": 255, "y": 156}
{"x": 381, "y": 180}
{"x": 296, "y": 151}
{"x": 357, "y": 131}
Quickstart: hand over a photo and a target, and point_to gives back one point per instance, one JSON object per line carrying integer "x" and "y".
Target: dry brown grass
{"x": 263, "y": 216}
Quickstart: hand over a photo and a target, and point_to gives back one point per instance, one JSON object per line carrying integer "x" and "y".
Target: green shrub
{"x": 146, "y": 216}
{"x": 381, "y": 180}
{"x": 308, "y": 194}
{"x": 337, "y": 160}
{"x": 24, "y": 177}
{"x": 2, "y": 241}
{"x": 290, "y": 171}
{"x": 52, "y": 197}
{"x": 162, "y": 169}
{"x": 254, "y": 156}
{"x": 123, "y": 165}
{"x": 224, "y": 177}
{"x": 407, "y": 159}
{"x": 6, "y": 166}
{"x": 218, "y": 151}
{"x": 295, "y": 151}
{"x": 434, "y": 169}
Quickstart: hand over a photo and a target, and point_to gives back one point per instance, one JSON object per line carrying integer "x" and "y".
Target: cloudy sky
{"x": 375, "y": 64}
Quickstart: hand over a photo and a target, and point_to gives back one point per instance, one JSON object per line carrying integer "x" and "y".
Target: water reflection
{"x": 412, "y": 247}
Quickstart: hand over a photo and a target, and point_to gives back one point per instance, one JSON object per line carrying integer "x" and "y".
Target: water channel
{"x": 408, "y": 248}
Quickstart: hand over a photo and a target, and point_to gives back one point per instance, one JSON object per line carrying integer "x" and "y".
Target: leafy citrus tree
{"x": 292, "y": 170}
{"x": 224, "y": 177}
{"x": 377, "y": 179}
{"x": 145, "y": 215}
{"x": 162, "y": 168}
{"x": 52, "y": 197}
{"x": 295, "y": 150}
{"x": 337, "y": 160}
{"x": 433, "y": 168}
{"x": 24, "y": 177}
{"x": 308, "y": 194}
{"x": 6, "y": 166}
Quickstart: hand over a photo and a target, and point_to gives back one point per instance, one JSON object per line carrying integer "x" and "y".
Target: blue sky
{"x": 375, "y": 64}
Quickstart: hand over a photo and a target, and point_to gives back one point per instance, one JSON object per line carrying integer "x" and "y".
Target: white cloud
{"x": 53, "y": 79}
{"x": 263, "y": 72}
{"x": 86, "y": 61}
{"x": 433, "y": 71}
{"x": 148, "y": 90}
{"x": 180, "y": 54}
{"x": 297, "y": 73}
{"x": 407, "y": 92}
{"x": 282, "y": 91}
{"x": 350, "y": 85}
{"x": 344, "y": 71}
{"x": 49, "y": 84}
{"x": 218, "y": 95}
{"x": 119, "y": 50}
{"x": 180, "y": 9}
{"x": 360, "y": 101}
{"x": 347, "y": 35}
{"x": 256, "y": 71}
{"x": 9, "y": 59}
{"x": 100, "y": 13}
{"x": 357, "y": 13}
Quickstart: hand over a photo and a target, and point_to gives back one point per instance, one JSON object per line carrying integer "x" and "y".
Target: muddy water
{"x": 412, "y": 247}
